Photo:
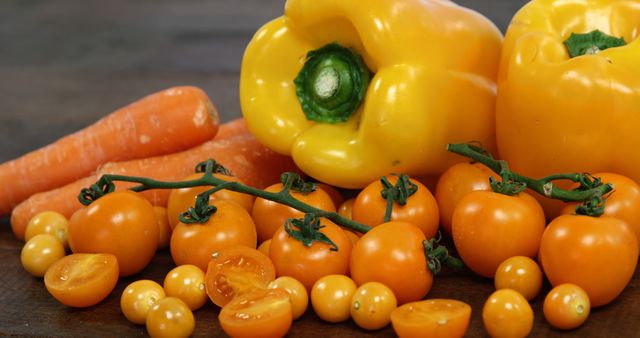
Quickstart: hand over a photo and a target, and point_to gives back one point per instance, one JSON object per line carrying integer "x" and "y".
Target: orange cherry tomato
{"x": 519, "y": 273}
{"x": 183, "y": 198}
{"x": 434, "y": 318}
{"x": 138, "y": 298}
{"x": 346, "y": 208}
{"x": 261, "y": 313}
{"x": 269, "y": 215}
{"x": 331, "y": 297}
{"x": 194, "y": 243}
{"x": 489, "y": 227}
{"x": 265, "y": 247}
{"x": 235, "y": 271}
{"x": 170, "y": 317}
{"x": 599, "y": 254}
{"x": 297, "y": 293}
{"x": 623, "y": 203}
{"x": 48, "y": 222}
{"x": 566, "y": 306}
{"x": 164, "y": 229}
{"x": 457, "y": 181}
{"x": 353, "y": 237}
{"x": 507, "y": 314}
{"x": 39, "y": 253}
{"x": 82, "y": 280}
{"x": 421, "y": 208}
{"x": 393, "y": 254}
{"x": 187, "y": 283}
{"x": 372, "y": 304}
{"x": 121, "y": 223}
{"x": 335, "y": 195}
{"x": 308, "y": 263}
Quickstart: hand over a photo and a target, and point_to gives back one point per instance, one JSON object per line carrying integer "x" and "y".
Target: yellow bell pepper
{"x": 354, "y": 90}
{"x": 571, "y": 104}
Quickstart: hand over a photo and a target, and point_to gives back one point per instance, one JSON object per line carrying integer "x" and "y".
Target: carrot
{"x": 247, "y": 159}
{"x": 165, "y": 122}
{"x": 232, "y": 128}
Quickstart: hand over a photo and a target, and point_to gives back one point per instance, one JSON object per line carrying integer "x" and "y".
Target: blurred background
{"x": 64, "y": 64}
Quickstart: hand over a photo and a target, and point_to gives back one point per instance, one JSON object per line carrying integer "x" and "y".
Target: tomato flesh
{"x": 257, "y": 314}
{"x": 432, "y": 318}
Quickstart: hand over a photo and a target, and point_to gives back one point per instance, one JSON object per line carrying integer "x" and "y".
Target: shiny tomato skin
{"x": 489, "y": 227}
{"x": 507, "y": 314}
{"x": 599, "y": 254}
{"x": 566, "y": 306}
{"x": 40, "y": 252}
{"x": 270, "y": 215}
{"x": 170, "y": 317}
{"x": 121, "y": 223}
{"x": 521, "y": 274}
{"x": 48, "y": 222}
{"x": 195, "y": 243}
{"x": 421, "y": 208}
{"x": 457, "y": 181}
{"x": 393, "y": 254}
{"x": 186, "y": 282}
{"x": 297, "y": 293}
{"x": 331, "y": 297}
{"x": 82, "y": 280}
{"x": 138, "y": 298}
{"x": 372, "y": 305}
{"x": 346, "y": 208}
{"x": 308, "y": 264}
{"x": 258, "y": 314}
{"x": 434, "y": 318}
{"x": 164, "y": 229}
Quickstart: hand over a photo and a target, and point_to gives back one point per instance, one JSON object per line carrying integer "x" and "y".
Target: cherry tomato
{"x": 194, "y": 243}
{"x": 421, "y": 208}
{"x": 507, "y": 314}
{"x": 353, "y": 237}
{"x": 393, "y": 254}
{"x": 566, "y": 306}
{"x": 265, "y": 247}
{"x": 269, "y": 215}
{"x": 40, "y": 252}
{"x": 372, "y": 304}
{"x": 121, "y": 223}
{"x": 164, "y": 230}
{"x": 308, "y": 263}
{"x": 331, "y": 297}
{"x": 235, "y": 271}
{"x": 261, "y": 313}
{"x": 456, "y": 182}
{"x": 297, "y": 293}
{"x": 138, "y": 298}
{"x": 183, "y": 198}
{"x": 82, "y": 280}
{"x": 599, "y": 254}
{"x": 187, "y": 283}
{"x": 48, "y": 222}
{"x": 434, "y": 318}
{"x": 623, "y": 203}
{"x": 170, "y": 317}
{"x": 335, "y": 195}
{"x": 346, "y": 208}
{"x": 489, "y": 227}
{"x": 519, "y": 273}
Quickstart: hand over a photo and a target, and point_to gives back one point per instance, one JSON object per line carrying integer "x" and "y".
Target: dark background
{"x": 64, "y": 64}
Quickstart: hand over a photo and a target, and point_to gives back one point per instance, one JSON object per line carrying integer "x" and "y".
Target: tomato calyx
{"x": 215, "y": 168}
{"x": 398, "y": 193}
{"x": 308, "y": 231}
{"x": 438, "y": 254}
{"x": 293, "y": 182}
{"x": 102, "y": 187}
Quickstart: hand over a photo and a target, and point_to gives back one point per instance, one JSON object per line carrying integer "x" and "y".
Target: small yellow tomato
{"x": 331, "y": 297}
{"x": 566, "y": 306}
{"x": 48, "y": 222}
{"x": 187, "y": 283}
{"x": 297, "y": 293}
{"x": 40, "y": 252}
{"x": 507, "y": 314}
{"x": 138, "y": 298}
{"x": 519, "y": 273}
{"x": 372, "y": 304}
{"x": 170, "y": 317}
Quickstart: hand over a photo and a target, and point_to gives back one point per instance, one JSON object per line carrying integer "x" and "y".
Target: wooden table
{"x": 65, "y": 64}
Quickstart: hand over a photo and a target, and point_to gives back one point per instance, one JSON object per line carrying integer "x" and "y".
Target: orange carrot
{"x": 247, "y": 159}
{"x": 232, "y": 128}
{"x": 165, "y": 122}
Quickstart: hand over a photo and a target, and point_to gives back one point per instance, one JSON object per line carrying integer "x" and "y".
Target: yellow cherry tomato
{"x": 566, "y": 306}
{"x": 331, "y": 297}
{"x": 187, "y": 283}
{"x": 138, "y": 298}
{"x": 372, "y": 304}
{"x": 519, "y": 273}
{"x": 170, "y": 317}
{"x": 40, "y": 252}
{"x": 297, "y": 293}
{"x": 48, "y": 222}
{"x": 507, "y": 314}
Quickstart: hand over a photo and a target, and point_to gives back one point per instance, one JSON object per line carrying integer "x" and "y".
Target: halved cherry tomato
{"x": 237, "y": 270}
{"x": 437, "y": 318}
{"x": 40, "y": 252}
{"x": 164, "y": 230}
{"x": 566, "y": 306}
{"x": 269, "y": 215}
{"x": 489, "y": 227}
{"x": 297, "y": 293}
{"x": 331, "y": 297}
{"x": 372, "y": 304}
{"x": 599, "y": 254}
{"x": 138, "y": 298}
{"x": 519, "y": 273}
{"x": 506, "y": 313}
{"x": 393, "y": 254}
{"x": 421, "y": 208}
{"x": 121, "y": 223}
{"x": 170, "y": 317}
{"x": 82, "y": 280}
{"x": 261, "y": 313}
{"x": 187, "y": 283}
{"x": 308, "y": 263}
{"x": 48, "y": 222}
{"x": 183, "y": 198}
{"x": 194, "y": 243}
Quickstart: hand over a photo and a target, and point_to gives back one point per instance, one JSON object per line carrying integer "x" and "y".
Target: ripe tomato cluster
{"x": 263, "y": 262}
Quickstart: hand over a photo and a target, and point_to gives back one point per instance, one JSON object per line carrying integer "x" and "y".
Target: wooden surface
{"x": 64, "y": 64}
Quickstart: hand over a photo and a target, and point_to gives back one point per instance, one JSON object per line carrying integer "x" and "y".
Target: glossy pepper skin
{"x": 433, "y": 67}
{"x": 560, "y": 114}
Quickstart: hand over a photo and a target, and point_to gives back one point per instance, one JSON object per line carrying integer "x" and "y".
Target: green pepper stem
{"x": 591, "y": 43}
